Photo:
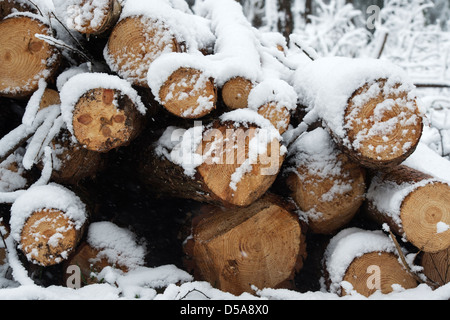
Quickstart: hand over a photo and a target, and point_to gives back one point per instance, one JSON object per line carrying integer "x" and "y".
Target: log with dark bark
{"x": 262, "y": 245}
{"x": 413, "y": 204}
{"x": 436, "y": 266}
{"x": 25, "y": 59}
{"x": 10, "y": 6}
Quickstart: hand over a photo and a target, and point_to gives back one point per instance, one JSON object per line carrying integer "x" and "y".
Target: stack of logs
{"x": 252, "y": 228}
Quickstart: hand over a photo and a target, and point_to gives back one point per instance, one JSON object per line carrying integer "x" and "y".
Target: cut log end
{"x": 134, "y": 44}
{"x": 436, "y": 266}
{"x": 104, "y": 119}
{"x": 261, "y": 245}
{"x": 279, "y": 116}
{"x": 383, "y": 130}
{"x": 327, "y": 207}
{"x": 102, "y": 19}
{"x": 235, "y": 93}
{"x": 377, "y": 271}
{"x": 423, "y": 212}
{"x": 188, "y": 93}
{"x": 24, "y": 59}
{"x": 48, "y": 237}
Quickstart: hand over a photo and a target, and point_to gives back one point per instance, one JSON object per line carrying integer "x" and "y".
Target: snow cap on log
{"x": 367, "y": 105}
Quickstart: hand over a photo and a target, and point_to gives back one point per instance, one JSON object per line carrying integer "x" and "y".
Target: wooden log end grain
{"x": 383, "y": 129}
{"x": 235, "y": 249}
{"x": 24, "y": 59}
{"x": 436, "y": 266}
{"x": 235, "y": 92}
{"x": 134, "y": 43}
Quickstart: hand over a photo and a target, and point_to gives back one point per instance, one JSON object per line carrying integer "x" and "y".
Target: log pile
{"x": 267, "y": 148}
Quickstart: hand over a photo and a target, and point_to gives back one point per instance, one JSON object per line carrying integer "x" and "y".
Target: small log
{"x": 279, "y": 116}
{"x": 324, "y": 183}
{"x": 222, "y": 168}
{"x": 108, "y": 113}
{"x": 188, "y": 93}
{"x": 91, "y": 17}
{"x": 262, "y": 245}
{"x": 235, "y": 92}
{"x": 48, "y": 223}
{"x": 436, "y": 266}
{"x": 414, "y": 205}
{"x": 25, "y": 59}
{"x": 134, "y": 44}
{"x": 367, "y": 261}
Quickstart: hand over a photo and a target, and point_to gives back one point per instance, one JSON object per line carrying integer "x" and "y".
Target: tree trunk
{"x": 413, "y": 204}
{"x": 25, "y": 59}
{"x": 436, "y": 266}
{"x": 324, "y": 183}
{"x": 367, "y": 260}
{"x": 235, "y": 92}
{"x": 222, "y": 169}
{"x": 262, "y": 245}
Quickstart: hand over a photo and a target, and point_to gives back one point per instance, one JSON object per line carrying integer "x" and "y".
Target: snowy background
{"x": 414, "y": 34}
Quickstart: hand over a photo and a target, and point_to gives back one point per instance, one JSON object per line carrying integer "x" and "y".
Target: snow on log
{"x": 414, "y": 205}
{"x": 11, "y": 6}
{"x": 102, "y": 112}
{"x": 147, "y": 30}
{"x": 436, "y": 266}
{"x": 366, "y": 104}
{"x": 365, "y": 262}
{"x": 262, "y": 245}
{"x": 183, "y": 84}
{"x": 91, "y": 17}
{"x": 106, "y": 245}
{"x": 324, "y": 183}
{"x": 48, "y": 223}
{"x": 232, "y": 161}
{"x": 25, "y": 59}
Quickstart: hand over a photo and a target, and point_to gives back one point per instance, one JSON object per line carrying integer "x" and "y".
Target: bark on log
{"x": 436, "y": 266}
{"x": 188, "y": 93}
{"x": 220, "y": 169}
{"x": 90, "y": 18}
{"x": 25, "y": 59}
{"x": 9, "y": 6}
{"x": 414, "y": 205}
{"x": 324, "y": 183}
{"x": 134, "y": 44}
{"x": 106, "y": 119}
{"x": 365, "y": 260}
{"x": 262, "y": 245}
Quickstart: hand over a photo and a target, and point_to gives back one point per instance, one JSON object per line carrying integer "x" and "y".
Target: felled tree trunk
{"x": 25, "y": 59}
{"x": 235, "y": 92}
{"x": 413, "y": 204}
{"x": 262, "y": 245}
{"x": 216, "y": 164}
{"x": 324, "y": 183}
{"x": 90, "y": 18}
{"x": 48, "y": 223}
{"x": 436, "y": 266}
{"x": 134, "y": 44}
{"x": 367, "y": 260}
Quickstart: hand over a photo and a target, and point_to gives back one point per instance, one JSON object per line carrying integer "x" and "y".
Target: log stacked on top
{"x": 165, "y": 67}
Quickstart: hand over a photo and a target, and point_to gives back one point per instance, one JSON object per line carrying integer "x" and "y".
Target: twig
{"x": 59, "y": 43}
{"x": 37, "y": 7}
{"x": 194, "y": 290}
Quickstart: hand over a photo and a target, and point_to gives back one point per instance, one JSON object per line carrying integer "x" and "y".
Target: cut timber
{"x": 24, "y": 59}
{"x": 414, "y": 205}
{"x": 235, "y": 92}
{"x": 105, "y": 119}
{"x": 134, "y": 44}
{"x": 367, "y": 105}
{"x": 436, "y": 266}
{"x": 324, "y": 183}
{"x": 223, "y": 168}
{"x": 92, "y": 17}
{"x": 48, "y": 223}
{"x": 49, "y": 98}
{"x": 280, "y": 117}
{"x": 234, "y": 249}
{"x": 188, "y": 93}
{"x": 364, "y": 261}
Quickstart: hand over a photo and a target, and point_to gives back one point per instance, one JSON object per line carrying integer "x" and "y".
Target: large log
{"x": 262, "y": 245}
{"x": 324, "y": 183}
{"x": 367, "y": 105}
{"x": 48, "y": 222}
{"x": 231, "y": 162}
{"x": 414, "y": 205}
{"x": 25, "y": 59}
{"x": 366, "y": 262}
{"x": 104, "y": 113}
